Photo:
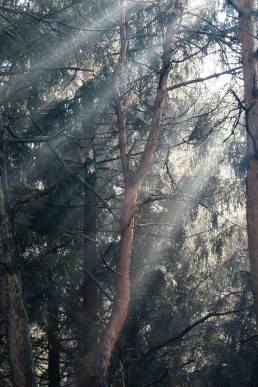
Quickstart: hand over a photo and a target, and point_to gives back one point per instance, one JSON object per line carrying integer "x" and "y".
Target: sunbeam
{"x": 80, "y": 39}
{"x": 122, "y": 215}
{"x": 175, "y": 213}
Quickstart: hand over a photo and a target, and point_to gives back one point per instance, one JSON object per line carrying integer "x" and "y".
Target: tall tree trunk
{"x": 249, "y": 44}
{"x": 12, "y": 304}
{"x": 87, "y": 323}
{"x": 53, "y": 345}
{"x": 89, "y": 290}
{"x": 132, "y": 181}
{"x": 121, "y": 303}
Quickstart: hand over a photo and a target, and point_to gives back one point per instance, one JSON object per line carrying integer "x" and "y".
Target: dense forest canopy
{"x": 124, "y": 240}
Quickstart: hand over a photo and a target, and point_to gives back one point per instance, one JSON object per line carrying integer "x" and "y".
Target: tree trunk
{"x": 87, "y": 323}
{"x": 132, "y": 182}
{"x": 87, "y": 327}
{"x": 53, "y": 345}
{"x": 122, "y": 298}
{"x": 12, "y": 304}
{"x": 248, "y": 32}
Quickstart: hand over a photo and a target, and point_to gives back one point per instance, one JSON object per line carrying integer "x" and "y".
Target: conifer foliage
{"x": 123, "y": 240}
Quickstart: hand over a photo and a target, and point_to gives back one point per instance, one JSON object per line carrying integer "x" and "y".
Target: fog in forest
{"x": 128, "y": 193}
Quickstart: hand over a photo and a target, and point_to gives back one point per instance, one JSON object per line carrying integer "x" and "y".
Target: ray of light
{"x": 57, "y": 57}
{"x": 194, "y": 181}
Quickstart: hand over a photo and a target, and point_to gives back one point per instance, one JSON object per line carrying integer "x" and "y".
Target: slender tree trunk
{"x": 122, "y": 298}
{"x": 53, "y": 345}
{"x": 249, "y": 44}
{"x": 88, "y": 330}
{"x": 254, "y": 374}
{"x": 132, "y": 182}
{"x": 87, "y": 323}
{"x": 12, "y": 304}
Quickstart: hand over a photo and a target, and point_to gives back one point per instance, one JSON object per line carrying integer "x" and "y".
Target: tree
{"x": 105, "y": 156}
{"x": 12, "y": 302}
{"x": 249, "y": 46}
{"x": 132, "y": 182}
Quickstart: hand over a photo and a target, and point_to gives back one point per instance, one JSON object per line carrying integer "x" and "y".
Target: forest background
{"x": 123, "y": 238}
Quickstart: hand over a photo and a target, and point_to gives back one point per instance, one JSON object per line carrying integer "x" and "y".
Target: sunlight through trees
{"x": 125, "y": 236}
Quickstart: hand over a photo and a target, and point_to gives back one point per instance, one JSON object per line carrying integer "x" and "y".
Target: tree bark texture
{"x": 12, "y": 304}
{"x": 249, "y": 44}
{"x": 121, "y": 302}
{"x": 132, "y": 181}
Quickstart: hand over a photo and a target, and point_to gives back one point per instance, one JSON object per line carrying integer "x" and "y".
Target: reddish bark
{"x": 249, "y": 44}
{"x": 121, "y": 302}
{"x": 132, "y": 185}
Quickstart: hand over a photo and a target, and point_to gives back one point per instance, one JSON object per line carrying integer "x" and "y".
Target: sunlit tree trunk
{"x": 120, "y": 306}
{"x": 12, "y": 304}
{"x": 249, "y": 43}
{"x": 132, "y": 182}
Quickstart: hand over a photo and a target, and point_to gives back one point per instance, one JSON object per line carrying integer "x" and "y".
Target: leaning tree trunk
{"x": 12, "y": 304}
{"x": 132, "y": 183}
{"x": 249, "y": 43}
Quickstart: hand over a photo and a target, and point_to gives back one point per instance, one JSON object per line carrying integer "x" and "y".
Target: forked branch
{"x": 174, "y": 15}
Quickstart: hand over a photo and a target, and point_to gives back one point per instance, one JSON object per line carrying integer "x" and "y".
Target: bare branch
{"x": 30, "y": 140}
{"x": 29, "y": 70}
{"x": 37, "y": 196}
{"x": 182, "y": 334}
{"x": 97, "y": 283}
{"x": 203, "y": 79}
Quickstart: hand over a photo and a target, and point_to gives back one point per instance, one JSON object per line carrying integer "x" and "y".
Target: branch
{"x": 30, "y": 140}
{"x": 190, "y": 327}
{"x": 49, "y": 250}
{"x": 181, "y": 335}
{"x": 116, "y": 95}
{"x": 65, "y": 243}
{"x": 203, "y": 79}
{"x": 248, "y": 131}
{"x": 88, "y": 186}
{"x": 20, "y": 71}
{"x": 106, "y": 264}
{"x": 84, "y": 183}
{"x": 167, "y": 371}
{"x": 157, "y": 380}
{"x": 37, "y": 196}
{"x": 98, "y": 284}
{"x": 174, "y": 15}
{"x": 234, "y": 5}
